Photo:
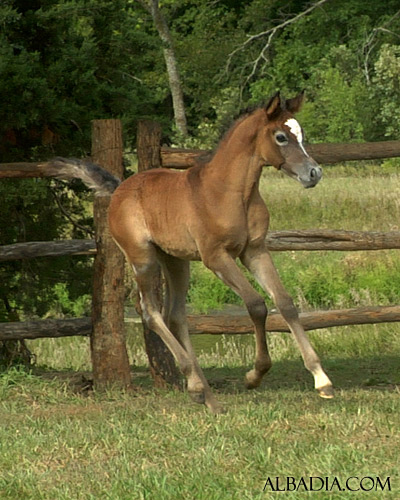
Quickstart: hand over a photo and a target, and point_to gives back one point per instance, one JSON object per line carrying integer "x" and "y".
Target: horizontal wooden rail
{"x": 185, "y": 158}
{"x": 21, "y": 170}
{"x": 322, "y": 153}
{"x": 33, "y": 249}
{"x": 24, "y": 170}
{"x": 335, "y": 153}
{"x": 215, "y": 324}
{"x": 327, "y": 239}
{"x": 240, "y": 323}
{"x": 46, "y": 328}
{"x": 313, "y": 239}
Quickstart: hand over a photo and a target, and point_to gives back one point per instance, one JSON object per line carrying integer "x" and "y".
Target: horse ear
{"x": 273, "y": 106}
{"x": 294, "y": 105}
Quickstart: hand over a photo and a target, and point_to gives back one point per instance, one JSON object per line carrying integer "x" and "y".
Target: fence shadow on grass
{"x": 379, "y": 373}
{"x": 369, "y": 373}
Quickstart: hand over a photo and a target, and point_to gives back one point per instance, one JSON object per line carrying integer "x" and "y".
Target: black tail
{"x": 94, "y": 176}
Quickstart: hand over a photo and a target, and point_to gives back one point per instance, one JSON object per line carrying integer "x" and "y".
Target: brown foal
{"x": 214, "y": 213}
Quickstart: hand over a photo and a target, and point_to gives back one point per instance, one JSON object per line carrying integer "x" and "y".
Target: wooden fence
{"x": 110, "y": 362}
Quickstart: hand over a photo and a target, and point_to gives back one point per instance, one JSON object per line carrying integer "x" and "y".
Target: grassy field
{"x": 59, "y": 441}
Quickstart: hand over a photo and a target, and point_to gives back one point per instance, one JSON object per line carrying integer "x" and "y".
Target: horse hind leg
{"x": 146, "y": 266}
{"x": 154, "y": 320}
{"x": 144, "y": 258}
{"x": 176, "y": 272}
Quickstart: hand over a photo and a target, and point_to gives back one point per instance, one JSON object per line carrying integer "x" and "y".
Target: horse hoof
{"x": 198, "y": 397}
{"x": 326, "y": 392}
{"x": 216, "y": 409}
{"x": 251, "y": 380}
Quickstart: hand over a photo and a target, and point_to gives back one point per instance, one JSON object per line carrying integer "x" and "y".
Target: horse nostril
{"x": 313, "y": 174}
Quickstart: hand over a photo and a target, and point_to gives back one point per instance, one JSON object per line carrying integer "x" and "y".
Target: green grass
{"x": 56, "y": 443}
{"x": 362, "y": 198}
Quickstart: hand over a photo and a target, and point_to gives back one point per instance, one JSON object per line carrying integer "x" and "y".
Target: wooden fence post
{"x": 108, "y": 347}
{"x": 162, "y": 365}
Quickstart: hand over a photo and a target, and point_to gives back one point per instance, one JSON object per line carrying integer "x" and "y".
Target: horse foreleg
{"x": 227, "y": 270}
{"x": 260, "y": 264}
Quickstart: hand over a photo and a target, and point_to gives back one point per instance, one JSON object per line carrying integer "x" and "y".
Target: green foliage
{"x": 326, "y": 281}
{"x": 337, "y": 111}
{"x": 64, "y": 64}
{"x": 64, "y": 304}
{"x": 387, "y": 89}
{"x": 332, "y": 53}
{"x": 207, "y": 292}
{"x": 316, "y": 280}
{"x": 29, "y": 288}
{"x": 208, "y": 132}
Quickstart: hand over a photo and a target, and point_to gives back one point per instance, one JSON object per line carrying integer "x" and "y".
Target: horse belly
{"x": 176, "y": 242}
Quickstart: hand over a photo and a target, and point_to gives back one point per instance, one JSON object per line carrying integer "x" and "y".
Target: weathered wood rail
{"x": 311, "y": 240}
{"x": 214, "y": 324}
{"x": 34, "y": 249}
{"x": 185, "y": 158}
{"x": 322, "y": 153}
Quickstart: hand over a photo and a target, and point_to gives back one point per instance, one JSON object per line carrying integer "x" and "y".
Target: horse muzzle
{"x": 308, "y": 173}
{"x": 312, "y": 177}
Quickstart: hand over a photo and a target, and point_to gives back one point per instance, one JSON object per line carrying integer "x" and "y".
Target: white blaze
{"x": 295, "y": 129}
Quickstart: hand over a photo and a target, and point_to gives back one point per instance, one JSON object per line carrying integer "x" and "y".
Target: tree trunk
{"x": 162, "y": 364}
{"x": 13, "y": 352}
{"x": 108, "y": 348}
{"x": 152, "y": 6}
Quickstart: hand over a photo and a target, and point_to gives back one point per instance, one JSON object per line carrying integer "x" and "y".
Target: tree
{"x": 331, "y": 52}
{"x": 387, "y": 83}
{"x": 268, "y": 35}
{"x": 152, "y": 6}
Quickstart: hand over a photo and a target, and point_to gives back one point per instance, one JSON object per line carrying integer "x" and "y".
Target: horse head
{"x": 280, "y": 141}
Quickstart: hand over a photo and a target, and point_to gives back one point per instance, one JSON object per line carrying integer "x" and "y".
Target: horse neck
{"x": 235, "y": 164}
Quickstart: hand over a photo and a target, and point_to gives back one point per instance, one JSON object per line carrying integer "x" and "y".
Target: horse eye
{"x": 281, "y": 138}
